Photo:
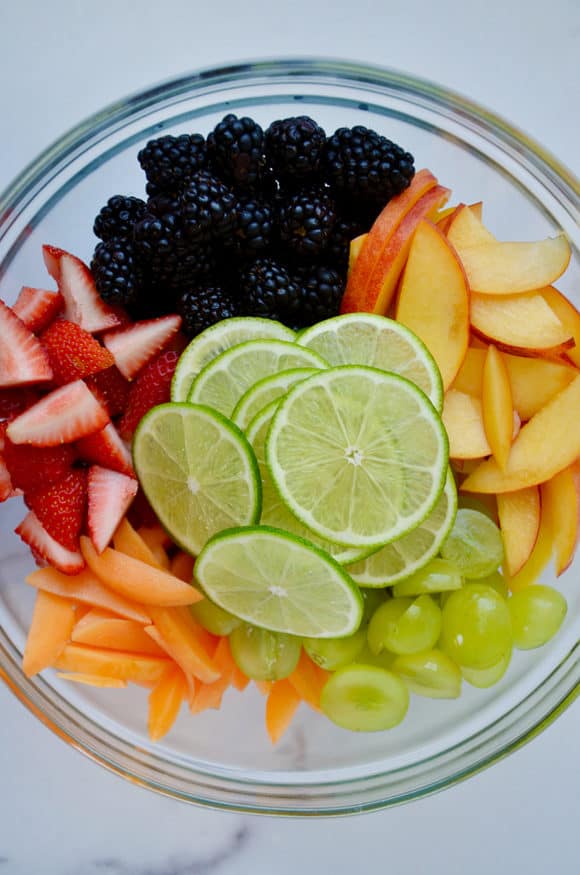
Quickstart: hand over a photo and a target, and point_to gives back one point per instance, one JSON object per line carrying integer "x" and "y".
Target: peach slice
{"x": 467, "y": 229}
{"x": 497, "y": 268}
{"x": 539, "y": 557}
{"x": 463, "y": 420}
{"x": 546, "y": 444}
{"x": 434, "y": 299}
{"x": 354, "y": 250}
{"x": 519, "y": 520}
{"x": 497, "y": 406}
{"x": 568, "y": 315}
{"x": 560, "y": 499}
{"x": 444, "y": 217}
{"x": 519, "y": 323}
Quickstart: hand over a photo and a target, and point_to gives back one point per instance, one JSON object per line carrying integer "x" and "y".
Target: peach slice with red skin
{"x": 538, "y": 559}
{"x": 497, "y": 406}
{"x": 520, "y": 323}
{"x": 560, "y": 499}
{"x": 519, "y": 520}
{"x": 568, "y": 316}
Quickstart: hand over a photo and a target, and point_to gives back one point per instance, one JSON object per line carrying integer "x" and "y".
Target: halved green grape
{"x": 537, "y": 613}
{"x": 263, "y": 655}
{"x": 487, "y": 677}
{"x": 476, "y": 630}
{"x": 372, "y": 598}
{"x": 384, "y": 659}
{"x": 364, "y": 698}
{"x": 405, "y": 625}
{"x": 333, "y": 653}
{"x": 430, "y": 673}
{"x": 439, "y": 575}
{"x": 213, "y": 618}
{"x": 474, "y": 544}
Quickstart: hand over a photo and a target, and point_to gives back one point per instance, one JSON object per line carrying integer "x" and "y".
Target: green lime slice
{"x": 223, "y": 381}
{"x": 277, "y": 581}
{"x": 274, "y": 512}
{"x": 402, "y": 557}
{"x": 369, "y": 339}
{"x": 215, "y": 340}
{"x": 359, "y": 455}
{"x": 198, "y": 472}
{"x": 264, "y": 391}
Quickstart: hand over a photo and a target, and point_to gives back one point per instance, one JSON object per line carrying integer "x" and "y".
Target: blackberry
{"x": 116, "y": 271}
{"x": 236, "y": 148}
{"x": 170, "y": 162}
{"x": 365, "y": 168}
{"x": 268, "y": 290}
{"x": 306, "y": 220}
{"x": 345, "y": 229}
{"x": 319, "y": 292}
{"x": 207, "y": 207}
{"x": 204, "y": 306}
{"x": 294, "y": 147}
{"x": 117, "y": 217}
{"x": 253, "y": 228}
{"x": 157, "y": 235}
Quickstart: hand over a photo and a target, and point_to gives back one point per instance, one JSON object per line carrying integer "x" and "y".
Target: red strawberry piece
{"x": 14, "y": 401}
{"x": 22, "y": 358}
{"x": 61, "y": 507}
{"x": 7, "y": 490}
{"x": 111, "y": 389}
{"x": 135, "y": 346}
{"x": 141, "y": 513}
{"x": 110, "y": 495}
{"x": 106, "y": 448}
{"x": 62, "y": 416}
{"x": 3, "y": 427}
{"x": 73, "y": 353}
{"x": 151, "y": 387}
{"x": 45, "y": 549}
{"x": 38, "y": 307}
{"x": 82, "y": 303}
{"x": 30, "y": 466}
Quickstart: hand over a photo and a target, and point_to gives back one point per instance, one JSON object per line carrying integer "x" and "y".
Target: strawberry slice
{"x": 22, "y": 358}
{"x": 13, "y": 401}
{"x": 111, "y": 389}
{"x": 62, "y": 416}
{"x": 73, "y": 353}
{"x": 106, "y": 448}
{"x": 6, "y": 488}
{"x": 61, "y": 507}
{"x": 135, "y": 346}
{"x": 110, "y": 495}
{"x": 28, "y": 466}
{"x": 44, "y": 548}
{"x": 37, "y": 307}
{"x": 82, "y": 303}
{"x": 152, "y": 386}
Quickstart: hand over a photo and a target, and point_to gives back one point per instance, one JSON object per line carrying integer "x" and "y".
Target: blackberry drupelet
{"x": 319, "y": 292}
{"x": 203, "y": 306}
{"x": 306, "y": 220}
{"x": 207, "y": 208}
{"x": 365, "y": 168}
{"x": 116, "y": 271}
{"x": 268, "y": 290}
{"x": 170, "y": 162}
{"x": 157, "y": 235}
{"x": 294, "y": 147}
{"x": 236, "y": 150}
{"x": 253, "y": 229}
{"x": 117, "y": 217}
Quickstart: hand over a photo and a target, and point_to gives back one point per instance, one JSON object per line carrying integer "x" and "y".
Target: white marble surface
{"x": 60, "y": 61}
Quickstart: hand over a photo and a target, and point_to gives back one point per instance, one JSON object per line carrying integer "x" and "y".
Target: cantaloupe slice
{"x": 184, "y": 643}
{"x": 111, "y": 663}
{"x": 101, "y": 630}
{"x": 281, "y": 705}
{"x": 165, "y": 702}
{"x": 308, "y": 680}
{"x": 50, "y": 631}
{"x": 128, "y": 541}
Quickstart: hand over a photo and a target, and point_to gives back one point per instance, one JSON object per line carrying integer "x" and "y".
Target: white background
{"x": 61, "y": 61}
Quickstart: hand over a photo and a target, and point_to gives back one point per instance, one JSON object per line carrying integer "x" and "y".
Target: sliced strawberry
{"x": 61, "y": 507}
{"x": 62, "y": 416}
{"x": 135, "y": 346}
{"x": 14, "y": 401}
{"x": 73, "y": 353}
{"x": 22, "y": 358}
{"x": 44, "y": 548}
{"x": 7, "y": 489}
{"x": 82, "y": 303}
{"x": 3, "y": 427}
{"x": 106, "y": 448}
{"x": 38, "y": 307}
{"x": 52, "y": 256}
{"x": 110, "y": 495}
{"x": 141, "y": 513}
{"x": 111, "y": 389}
{"x": 151, "y": 387}
{"x": 30, "y": 466}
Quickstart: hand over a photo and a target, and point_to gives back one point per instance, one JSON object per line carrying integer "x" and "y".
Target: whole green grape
{"x": 263, "y": 655}
{"x": 439, "y": 575}
{"x": 405, "y": 625}
{"x": 476, "y": 629}
{"x": 537, "y": 613}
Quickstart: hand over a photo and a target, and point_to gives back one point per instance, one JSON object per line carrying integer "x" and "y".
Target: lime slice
{"x": 274, "y": 511}
{"x": 402, "y": 557}
{"x": 373, "y": 340}
{"x": 223, "y": 381}
{"x": 264, "y": 391}
{"x": 215, "y": 340}
{"x": 198, "y": 472}
{"x": 279, "y": 582}
{"x": 359, "y": 455}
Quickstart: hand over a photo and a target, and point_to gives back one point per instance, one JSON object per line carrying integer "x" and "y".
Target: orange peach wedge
{"x": 538, "y": 559}
{"x": 568, "y": 316}
{"x": 560, "y": 499}
{"x": 497, "y": 406}
{"x": 466, "y": 229}
{"x": 519, "y": 323}
{"x": 463, "y": 420}
{"x": 519, "y": 519}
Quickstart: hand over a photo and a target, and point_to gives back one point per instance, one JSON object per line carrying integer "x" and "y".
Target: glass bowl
{"x": 224, "y": 759}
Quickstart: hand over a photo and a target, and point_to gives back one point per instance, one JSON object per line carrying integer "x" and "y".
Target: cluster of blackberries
{"x": 245, "y": 221}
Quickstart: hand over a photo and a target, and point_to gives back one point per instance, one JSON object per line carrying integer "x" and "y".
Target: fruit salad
{"x": 301, "y": 424}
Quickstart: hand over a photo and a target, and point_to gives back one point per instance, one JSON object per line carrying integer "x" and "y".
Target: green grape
{"x": 213, "y": 618}
{"x": 438, "y": 575}
{"x": 487, "y": 677}
{"x": 364, "y": 698}
{"x": 372, "y": 598}
{"x": 537, "y": 613}
{"x": 405, "y": 625}
{"x": 333, "y": 653}
{"x": 384, "y": 659}
{"x": 429, "y": 673}
{"x": 497, "y": 582}
{"x": 476, "y": 629}
{"x": 474, "y": 544}
{"x": 263, "y": 655}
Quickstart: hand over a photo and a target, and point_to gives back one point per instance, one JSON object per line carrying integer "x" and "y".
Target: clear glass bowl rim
{"x": 545, "y": 703}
